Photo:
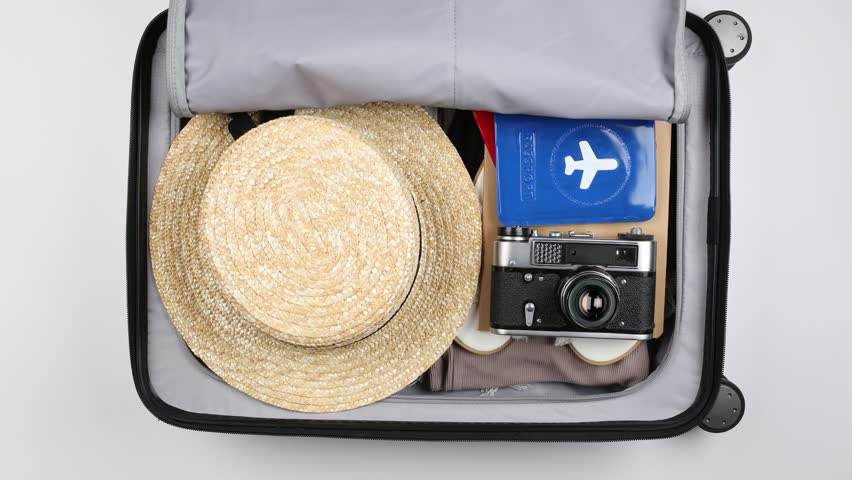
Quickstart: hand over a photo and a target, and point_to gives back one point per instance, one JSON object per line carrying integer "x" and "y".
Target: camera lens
{"x": 592, "y": 303}
{"x": 589, "y": 298}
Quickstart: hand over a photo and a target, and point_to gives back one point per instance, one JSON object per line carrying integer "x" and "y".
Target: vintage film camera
{"x": 573, "y": 285}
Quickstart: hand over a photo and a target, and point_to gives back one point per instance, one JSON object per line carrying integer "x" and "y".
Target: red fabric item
{"x": 485, "y": 120}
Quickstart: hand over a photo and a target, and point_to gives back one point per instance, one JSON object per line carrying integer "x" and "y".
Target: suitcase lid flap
{"x": 564, "y": 58}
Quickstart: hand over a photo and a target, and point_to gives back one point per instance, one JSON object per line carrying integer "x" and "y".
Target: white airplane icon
{"x": 590, "y": 165}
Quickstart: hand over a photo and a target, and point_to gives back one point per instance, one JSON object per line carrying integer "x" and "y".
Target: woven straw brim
{"x": 193, "y": 254}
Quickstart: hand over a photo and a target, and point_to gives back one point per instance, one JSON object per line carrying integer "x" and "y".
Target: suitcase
{"x": 222, "y": 56}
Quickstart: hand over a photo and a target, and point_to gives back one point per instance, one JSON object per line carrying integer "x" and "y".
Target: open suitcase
{"x": 620, "y": 60}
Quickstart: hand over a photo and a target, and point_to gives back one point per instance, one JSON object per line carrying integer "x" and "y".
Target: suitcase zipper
{"x": 718, "y": 240}
{"x": 138, "y": 160}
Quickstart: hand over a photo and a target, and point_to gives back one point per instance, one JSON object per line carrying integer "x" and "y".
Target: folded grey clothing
{"x": 535, "y": 360}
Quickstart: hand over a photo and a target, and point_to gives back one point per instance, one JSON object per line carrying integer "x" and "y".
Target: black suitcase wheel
{"x": 734, "y": 33}
{"x": 727, "y": 411}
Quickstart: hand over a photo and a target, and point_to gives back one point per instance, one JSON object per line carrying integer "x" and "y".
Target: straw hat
{"x": 322, "y": 261}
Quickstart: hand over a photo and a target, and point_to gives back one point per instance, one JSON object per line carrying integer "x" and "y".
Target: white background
{"x": 68, "y": 407}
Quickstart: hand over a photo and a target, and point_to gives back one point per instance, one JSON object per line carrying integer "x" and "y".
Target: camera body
{"x": 573, "y": 285}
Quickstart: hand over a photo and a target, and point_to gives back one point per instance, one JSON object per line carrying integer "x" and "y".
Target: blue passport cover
{"x": 555, "y": 171}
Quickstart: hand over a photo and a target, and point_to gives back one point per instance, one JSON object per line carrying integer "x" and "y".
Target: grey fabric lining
{"x": 176, "y": 57}
{"x": 178, "y": 379}
{"x": 568, "y": 58}
{"x": 681, "y": 82}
